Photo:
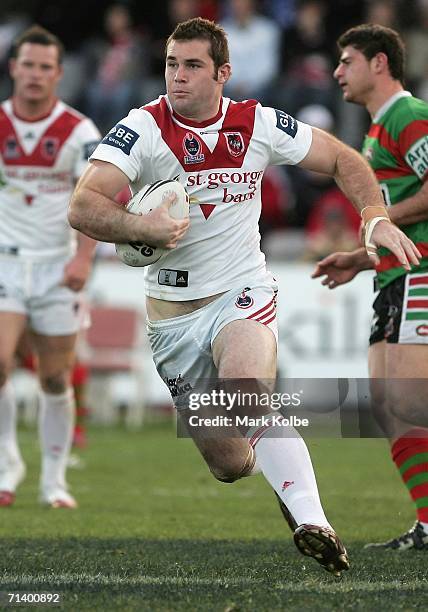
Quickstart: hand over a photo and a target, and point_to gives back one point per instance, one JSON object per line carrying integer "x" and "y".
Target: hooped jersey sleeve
{"x": 290, "y": 139}
{"x": 127, "y": 143}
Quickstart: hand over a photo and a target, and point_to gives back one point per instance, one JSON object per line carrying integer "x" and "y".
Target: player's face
{"x": 354, "y": 75}
{"x": 193, "y": 87}
{"x": 35, "y": 72}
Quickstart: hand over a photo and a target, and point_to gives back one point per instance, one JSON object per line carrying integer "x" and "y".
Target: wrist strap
{"x": 369, "y": 227}
{"x": 371, "y": 212}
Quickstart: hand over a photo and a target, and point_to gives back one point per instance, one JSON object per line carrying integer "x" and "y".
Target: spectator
{"x": 117, "y": 68}
{"x": 254, "y": 51}
{"x": 305, "y": 61}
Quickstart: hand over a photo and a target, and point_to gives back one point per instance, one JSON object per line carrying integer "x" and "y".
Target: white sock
{"x": 287, "y": 466}
{"x": 424, "y": 526}
{"x": 9, "y": 451}
{"x": 56, "y": 421}
{"x": 11, "y": 464}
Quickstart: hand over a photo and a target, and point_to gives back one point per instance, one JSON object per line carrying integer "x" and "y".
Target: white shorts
{"x": 182, "y": 346}
{"x": 33, "y": 288}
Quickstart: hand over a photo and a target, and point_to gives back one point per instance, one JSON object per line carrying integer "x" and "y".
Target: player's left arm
{"x": 411, "y": 210}
{"x": 77, "y": 270}
{"x": 358, "y": 182}
{"x": 414, "y": 152}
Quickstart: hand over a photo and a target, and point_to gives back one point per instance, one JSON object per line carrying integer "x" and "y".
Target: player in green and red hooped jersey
{"x": 370, "y": 73}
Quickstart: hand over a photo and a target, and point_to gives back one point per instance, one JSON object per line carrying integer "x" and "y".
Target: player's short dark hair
{"x": 203, "y": 29}
{"x": 38, "y": 36}
{"x": 371, "y": 39}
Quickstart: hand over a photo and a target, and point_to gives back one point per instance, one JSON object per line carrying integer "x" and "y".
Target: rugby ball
{"x": 140, "y": 254}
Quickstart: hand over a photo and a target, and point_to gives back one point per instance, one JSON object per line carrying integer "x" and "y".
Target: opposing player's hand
{"x": 388, "y": 235}
{"x": 337, "y": 268}
{"x": 76, "y": 273}
{"x": 159, "y": 228}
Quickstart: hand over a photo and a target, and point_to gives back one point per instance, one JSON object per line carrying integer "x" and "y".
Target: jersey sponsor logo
{"x": 11, "y": 149}
{"x": 177, "y": 386}
{"x": 121, "y": 137}
{"x": 422, "y": 330}
{"x": 173, "y": 278}
{"x": 417, "y": 156}
{"x": 49, "y": 147}
{"x": 89, "y": 148}
{"x": 235, "y": 143}
{"x": 192, "y": 149}
{"x": 244, "y": 300}
{"x": 286, "y": 123}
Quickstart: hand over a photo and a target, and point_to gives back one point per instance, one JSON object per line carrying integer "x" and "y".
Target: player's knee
{"x": 230, "y": 469}
{"x": 55, "y": 383}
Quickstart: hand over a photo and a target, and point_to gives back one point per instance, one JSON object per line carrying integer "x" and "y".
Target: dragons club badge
{"x": 243, "y": 300}
{"x": 235, "y": 143}
{"x": 192, "y": 149}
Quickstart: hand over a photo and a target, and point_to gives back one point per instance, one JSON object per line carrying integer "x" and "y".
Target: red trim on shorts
{"x": 261, "y": 310}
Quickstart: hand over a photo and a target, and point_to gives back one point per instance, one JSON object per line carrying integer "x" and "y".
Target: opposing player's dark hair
{"x": 37, "y": 35}
{"x": 204, "y": 29}
{"x": 371, "y": 39}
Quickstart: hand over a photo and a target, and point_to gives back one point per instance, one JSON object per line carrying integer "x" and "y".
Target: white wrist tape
{"x": 369, "y": 227}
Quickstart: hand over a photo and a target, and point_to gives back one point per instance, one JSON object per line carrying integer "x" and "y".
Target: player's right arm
{"x": 94, "y": 212}
{"x": 341, "y": 267}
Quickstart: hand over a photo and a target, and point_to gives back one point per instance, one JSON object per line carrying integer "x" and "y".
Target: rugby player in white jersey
{"x": 210, "y": 299}
{"x": 44, "y": 146}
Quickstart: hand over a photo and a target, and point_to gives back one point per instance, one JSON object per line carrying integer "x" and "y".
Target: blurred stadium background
{"x": 114, "y": 60}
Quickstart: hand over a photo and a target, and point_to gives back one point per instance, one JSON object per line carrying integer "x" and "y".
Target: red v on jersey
{"x": 229, "y": 152}
{"x": 47, "y": 148}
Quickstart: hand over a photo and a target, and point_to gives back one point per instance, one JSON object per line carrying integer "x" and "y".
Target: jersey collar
{"x": 387, "y": 105}
{"x": 202, "y": 124}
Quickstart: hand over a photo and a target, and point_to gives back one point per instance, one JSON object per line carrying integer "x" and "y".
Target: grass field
{"x": 156, "y": 532}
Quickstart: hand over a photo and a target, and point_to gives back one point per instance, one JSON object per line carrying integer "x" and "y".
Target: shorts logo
{"x": 192, "y": 149}
{"x": 235, "y": 143}
{"x": 422, "y": 330}
{"x": 286, "y": 123}
{"x": 177, "y": 386}
{"x": 49, "y": 147}
{"x": 173, "y": 278}
{"x": 244, "y": 300}
{"x": 121, "y": 137}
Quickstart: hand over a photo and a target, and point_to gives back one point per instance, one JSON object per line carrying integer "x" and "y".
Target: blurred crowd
{"x": 283, "y": 53}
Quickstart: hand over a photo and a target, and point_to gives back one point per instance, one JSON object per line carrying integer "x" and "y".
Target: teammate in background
{"x": 370, "y": 73}
{"x": 210, "y": 299}
{"x": 44, "y": 148}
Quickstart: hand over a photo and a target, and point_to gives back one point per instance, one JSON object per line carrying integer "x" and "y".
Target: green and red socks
{"x": 410, "y": 455}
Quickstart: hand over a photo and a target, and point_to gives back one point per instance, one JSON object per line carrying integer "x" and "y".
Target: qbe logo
{"x": 121, "y": 137}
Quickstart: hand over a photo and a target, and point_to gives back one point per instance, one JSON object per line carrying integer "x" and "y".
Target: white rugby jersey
{"x": 39, "y": 164}
{"x": 221, "y": 163}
